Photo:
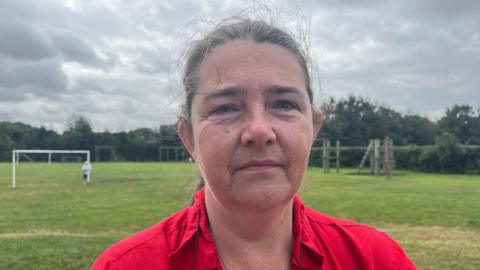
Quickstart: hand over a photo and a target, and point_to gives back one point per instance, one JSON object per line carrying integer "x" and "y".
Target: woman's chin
{"x": 263, "y": 197}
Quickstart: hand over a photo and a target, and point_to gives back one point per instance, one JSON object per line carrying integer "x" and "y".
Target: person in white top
{"x": 86, "y": 168}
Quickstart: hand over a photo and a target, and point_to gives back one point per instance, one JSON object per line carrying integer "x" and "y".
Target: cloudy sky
{"x": 115, "y": 62}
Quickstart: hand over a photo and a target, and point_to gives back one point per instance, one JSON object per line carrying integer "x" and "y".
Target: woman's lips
{"x": 259, "y": 166}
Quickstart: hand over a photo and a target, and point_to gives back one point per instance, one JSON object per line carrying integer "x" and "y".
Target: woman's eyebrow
{"x": 279, "y": 90}
{"x": 236, "y": 92}
{"x": 226, "y": 92}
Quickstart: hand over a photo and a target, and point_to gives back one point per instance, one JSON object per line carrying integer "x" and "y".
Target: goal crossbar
{"x": 16, "y": 153}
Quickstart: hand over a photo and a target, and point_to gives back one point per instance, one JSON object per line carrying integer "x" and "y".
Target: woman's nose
{"x": 258, "y": 130}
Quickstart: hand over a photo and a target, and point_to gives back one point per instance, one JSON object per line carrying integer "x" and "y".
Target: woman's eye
{"x": 285, "y": 105}
{"x": 223, "y": 109}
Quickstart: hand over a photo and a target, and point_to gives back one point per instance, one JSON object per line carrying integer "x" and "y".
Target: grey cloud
{"x": 122, "y": 86}
{"x": 15, "y": 9}
{"x": 155, "y": 61}
{"x": 39, "y": 112}
{"x": 166, "y": 17}
{"x": 41, "y": 78}
{"x": 426, "y": 8}
{"x": 53, "y": 31}
{"x": 340, "y": 5}
{"x": 405, "y": 52}
{"x": 4, "y": 116}
{"x": 415, "y": 54}
{"x": 442, "y": 9}
{"x": 90, "y": 84}
{"x": 21, "y": 41}
{"x": 10, "y": 95}
{"x": 100, "y": 85}
{"x": 118, "y": 112}
{"x": 74, "y": 49}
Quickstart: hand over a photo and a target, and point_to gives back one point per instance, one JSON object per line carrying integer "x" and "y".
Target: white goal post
{"x": 16, "y": 153}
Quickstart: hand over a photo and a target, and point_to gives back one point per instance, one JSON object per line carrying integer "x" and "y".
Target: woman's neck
{"x": 251, "y": 238}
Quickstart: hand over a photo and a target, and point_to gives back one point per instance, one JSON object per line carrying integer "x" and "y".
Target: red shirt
{"x": 183, "y": 241}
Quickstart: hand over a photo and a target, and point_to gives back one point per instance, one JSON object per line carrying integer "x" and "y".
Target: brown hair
{"x": 246, "y": 29}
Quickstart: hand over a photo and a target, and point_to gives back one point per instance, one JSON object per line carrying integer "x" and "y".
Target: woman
{"x": 249, "y": 125}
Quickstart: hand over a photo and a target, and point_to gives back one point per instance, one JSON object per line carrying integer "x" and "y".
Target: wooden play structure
{"x": 378, "y": 152}
{"x": 380, "y": 156}
{"x": 327, "y": 158}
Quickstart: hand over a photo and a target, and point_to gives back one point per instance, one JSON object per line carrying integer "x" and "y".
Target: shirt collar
{"x": 306, "y": 254}
{"x": 198, "y": 247}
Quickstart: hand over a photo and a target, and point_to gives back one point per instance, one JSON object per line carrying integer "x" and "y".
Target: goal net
{"x": 48, "y": 155}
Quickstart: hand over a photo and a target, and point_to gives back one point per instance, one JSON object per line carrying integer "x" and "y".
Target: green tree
{"x": 79, "y": 134}
{"x": 355, "y": 121}
{"x": 168, "y": 135}
{"x": 352, "y": 121}
{"x": 418, "y": 130}
{"x": 6, "y": 147}
{"x": 475, "y": 138}
{"x": 21, "y": 136}
{"x": 460, "y": 121}
{"x": 450, "y": 153}
{"x": 141, "y": 134}
{"x": 446, "y": 156}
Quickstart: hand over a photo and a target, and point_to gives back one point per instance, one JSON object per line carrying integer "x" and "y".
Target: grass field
{"x": 50, "y": 221}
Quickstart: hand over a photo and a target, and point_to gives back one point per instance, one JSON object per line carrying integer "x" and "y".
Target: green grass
{"x": 50, "y": 221}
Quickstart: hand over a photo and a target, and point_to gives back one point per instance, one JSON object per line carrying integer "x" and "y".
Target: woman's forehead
{"x": 243, "y": 63}
{"x": 248, "y": 51}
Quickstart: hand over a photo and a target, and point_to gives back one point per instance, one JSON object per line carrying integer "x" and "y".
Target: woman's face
{"x": 252, "y": 125}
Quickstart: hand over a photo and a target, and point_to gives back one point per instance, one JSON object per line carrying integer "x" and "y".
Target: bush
{"x": 408, "y": 158}
{"x": 472, "y": 158}
{"x": 348, "y": 158}
{"x": 447, "y": 155}
{"x": 450, "y": 154}
{"x": 428, "y": 161}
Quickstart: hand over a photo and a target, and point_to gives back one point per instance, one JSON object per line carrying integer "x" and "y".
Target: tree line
{"x": 137, "y": 145}
{"x": 450, "y": 144}
{"x": 353, "y": 121}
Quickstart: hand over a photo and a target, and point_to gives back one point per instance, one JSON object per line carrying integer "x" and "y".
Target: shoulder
{"x": 350, "y": 241}
{"x": 148, "y": 249}
{"x": 335, "y": 229}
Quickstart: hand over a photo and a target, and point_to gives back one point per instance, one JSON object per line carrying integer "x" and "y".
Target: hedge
{"x": 445, "y": 156}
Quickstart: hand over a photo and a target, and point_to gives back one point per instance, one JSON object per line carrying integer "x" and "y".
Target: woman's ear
{"x": 317, "y": 122}
{"x": 185, "y": 133}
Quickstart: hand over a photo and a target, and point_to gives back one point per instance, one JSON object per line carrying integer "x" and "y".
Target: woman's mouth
{"x": 259, "y": 166}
